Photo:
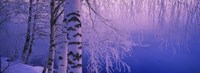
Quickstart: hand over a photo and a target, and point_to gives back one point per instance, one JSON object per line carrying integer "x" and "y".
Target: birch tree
{"x": 28, "y": 35}
{"x": 33, "y": 22}
{"x": 52, "y": 38}
{"x": 74, "y": 35}
{"x": 54, "y": 12}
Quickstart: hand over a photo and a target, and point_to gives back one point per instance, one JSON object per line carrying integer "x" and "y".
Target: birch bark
{"x": 74, "y": 35}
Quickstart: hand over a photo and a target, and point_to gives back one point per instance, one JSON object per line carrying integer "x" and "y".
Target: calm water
{"x": 153, "y": 59}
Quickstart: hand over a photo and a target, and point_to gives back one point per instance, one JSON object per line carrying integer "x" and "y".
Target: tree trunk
{"x": 62, "y": 68}
{"x": 52, "y": 39}
{"x": 28, "y": 33}
{"x": 31, "y": 41}
{"x": 52, "y": 49}
{"x": 72, "y": 15}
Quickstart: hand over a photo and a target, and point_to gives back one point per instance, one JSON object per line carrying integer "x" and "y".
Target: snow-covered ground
{"x": 12, "y": 67}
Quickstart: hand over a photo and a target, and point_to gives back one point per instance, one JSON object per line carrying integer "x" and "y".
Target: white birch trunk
{"x": 72, "y": 15}
{"x": 50, "y": 64}
{"x": 62, "y": 68}
{"x": 52, "y": 50}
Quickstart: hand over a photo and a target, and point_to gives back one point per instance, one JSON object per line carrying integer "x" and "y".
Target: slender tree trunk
{"x": 28, "y": 34}
{"x": 72, "y": 15}
{"x": 52, "y": 39}
{"x": 31, "y": 41}
{"x": 52, "y": 50}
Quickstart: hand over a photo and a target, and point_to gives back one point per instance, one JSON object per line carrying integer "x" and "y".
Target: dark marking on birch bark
{"x": 68, "y": 68}
{"x": 51, "y": 50}
{"x": 70, "y": 53}
{"x": 71, "y": 29}
{"x": 53, "y": 45}
{"x": 60, "y": 58}
{"x": 67, "y": 34}
{"x": 76, "y": 66}
{"x": 77, "y": 56}
{"x": 74, "y": 19}
{"x": 50, "y": 69}
{"x": 52, "y": 3}
{"x": 73, "y": 13}
{"x": 51, "y": 59}
{"x": 65, "y": 20}
{"x": 68, "y": 37}
{"x": 49, "y": 63}
{"x": 80, "y": 47}
{"x": 71, "y": 43}
{"x": 78, "y": 25}
{"x": 78, "y": 34}
{"x": 70, "y": 62}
